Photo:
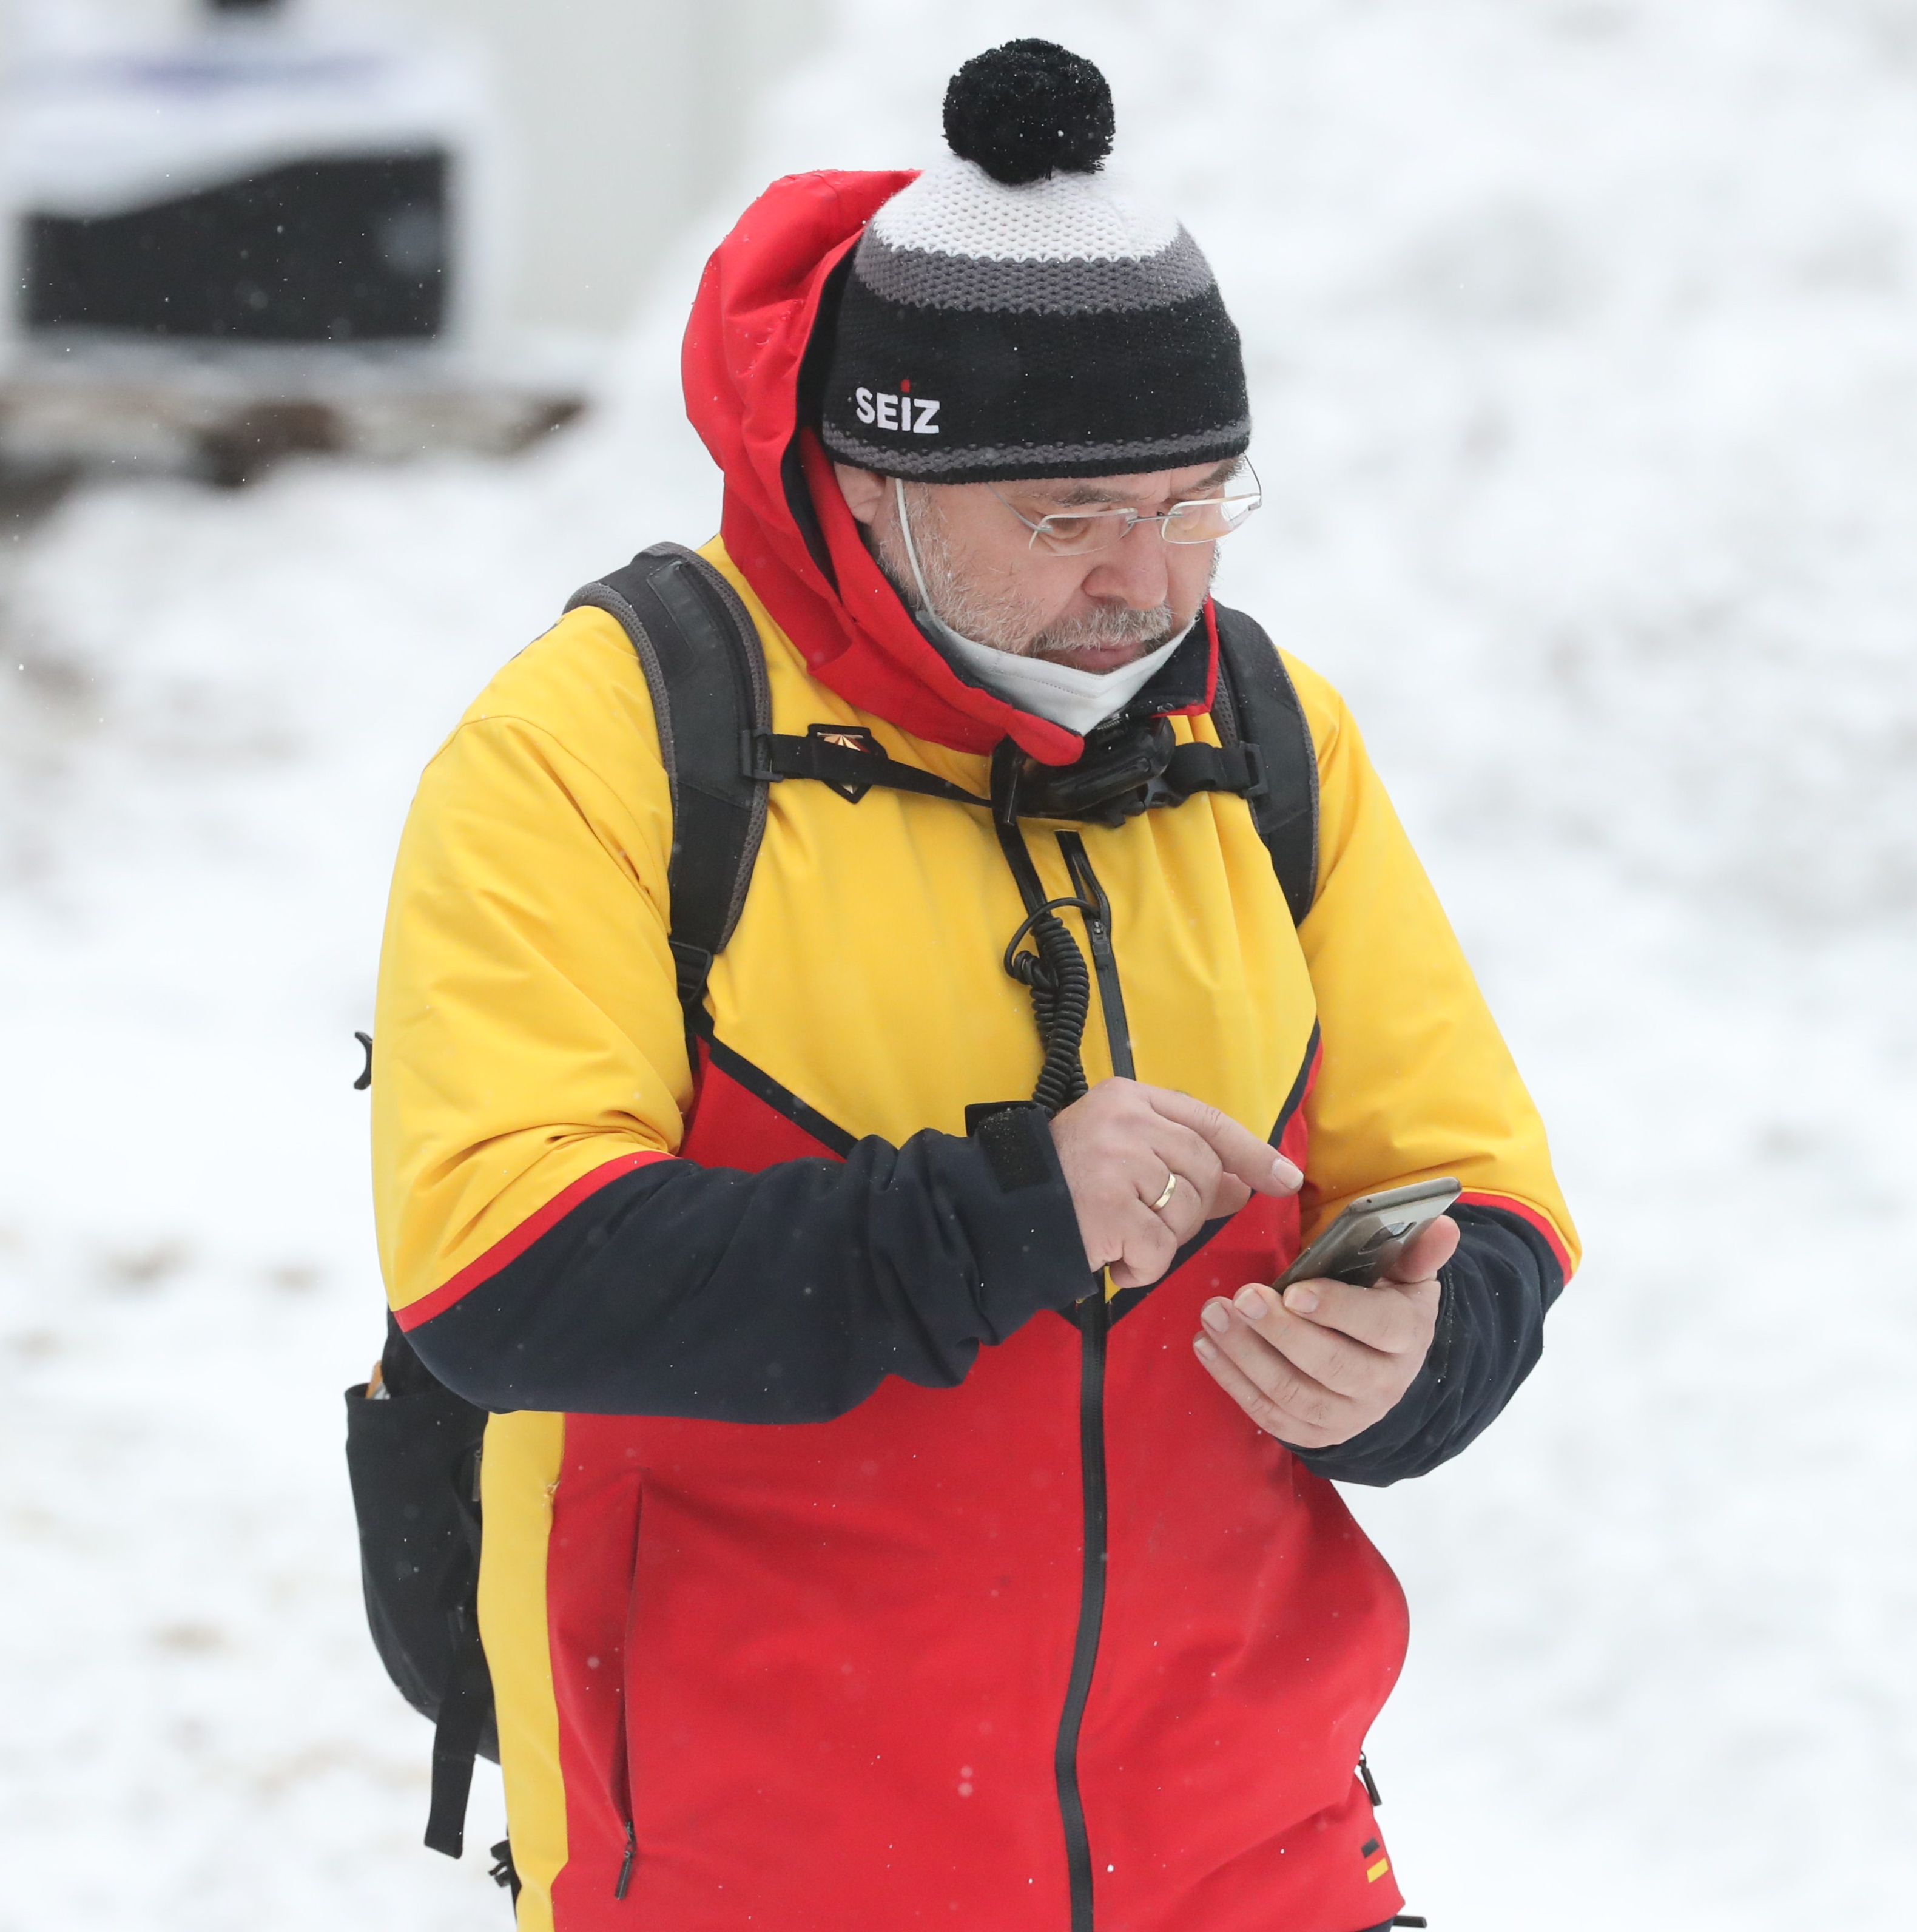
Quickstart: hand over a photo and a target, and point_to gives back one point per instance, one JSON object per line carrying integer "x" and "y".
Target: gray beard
{"x": 1002, "y": 619}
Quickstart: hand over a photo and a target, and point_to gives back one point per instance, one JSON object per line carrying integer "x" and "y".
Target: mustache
{"x": 1119, "y": 624}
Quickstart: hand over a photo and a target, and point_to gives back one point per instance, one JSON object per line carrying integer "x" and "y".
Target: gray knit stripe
{"x": 1126, "y": 458}
{"x": 921, "y": 280}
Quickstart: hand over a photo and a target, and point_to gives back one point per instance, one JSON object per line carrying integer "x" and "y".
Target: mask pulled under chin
{"x": 1078, "y": 700}
{"x": 1061, "y": 694}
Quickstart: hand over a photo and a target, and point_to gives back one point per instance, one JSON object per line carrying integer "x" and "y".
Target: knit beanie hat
{"x": 1009, "y": 314}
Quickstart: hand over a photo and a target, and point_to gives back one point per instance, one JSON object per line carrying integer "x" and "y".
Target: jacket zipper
{"x": 1094, "y": 1325}
{"x": 621, "y": 1790}
{"x": 1093, "y": 1319}
{"x": 622, "y": 1782}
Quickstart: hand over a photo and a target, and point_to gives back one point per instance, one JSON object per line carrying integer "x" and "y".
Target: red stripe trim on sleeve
{"x": 1524, "y": 1211}
{"x": 510, "y": 1247}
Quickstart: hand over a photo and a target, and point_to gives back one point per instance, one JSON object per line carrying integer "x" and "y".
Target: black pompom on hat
{"x": 1012, "y": 313}
{"x": 1027, "y": 108}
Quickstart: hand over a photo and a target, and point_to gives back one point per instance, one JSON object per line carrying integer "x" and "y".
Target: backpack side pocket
{"x": 412, "y": 1457}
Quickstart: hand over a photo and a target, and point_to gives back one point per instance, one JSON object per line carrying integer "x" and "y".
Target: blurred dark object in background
{"x": 273, "y": 233}
{"x": 320, "y": 251}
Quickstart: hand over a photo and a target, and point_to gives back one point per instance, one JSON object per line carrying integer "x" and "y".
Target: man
{"x": 887, "y": 1524}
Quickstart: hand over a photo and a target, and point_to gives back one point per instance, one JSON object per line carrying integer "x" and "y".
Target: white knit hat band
{"x": 955, "y": 208}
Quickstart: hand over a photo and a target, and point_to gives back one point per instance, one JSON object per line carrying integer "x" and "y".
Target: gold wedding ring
{"x": 1164, "y": 1200}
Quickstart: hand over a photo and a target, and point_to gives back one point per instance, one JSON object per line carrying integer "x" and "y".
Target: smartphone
{"x": 1371, "y": 1234}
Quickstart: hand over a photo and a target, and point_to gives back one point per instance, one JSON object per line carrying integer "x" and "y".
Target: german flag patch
{"x": 1380, "y": 1860}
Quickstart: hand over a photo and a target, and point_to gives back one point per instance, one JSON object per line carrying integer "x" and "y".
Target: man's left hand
{"x": 1328, "y": 1360}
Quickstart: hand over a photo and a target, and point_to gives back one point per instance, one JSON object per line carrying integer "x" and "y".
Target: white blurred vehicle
{"x": 270, "y": 228}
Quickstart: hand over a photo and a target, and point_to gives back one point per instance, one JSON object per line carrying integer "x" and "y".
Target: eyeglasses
{"x": 1202, "y": 519}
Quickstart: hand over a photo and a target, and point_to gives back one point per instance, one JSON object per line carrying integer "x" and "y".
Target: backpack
{"x": 413, "y": 1447}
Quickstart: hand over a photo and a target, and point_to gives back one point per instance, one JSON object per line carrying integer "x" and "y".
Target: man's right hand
{"x": 1122, "y": 1145}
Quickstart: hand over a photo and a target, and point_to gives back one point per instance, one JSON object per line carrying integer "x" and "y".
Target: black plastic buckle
{"x": 1254, "y": 759}
{"x": 756, "y": 756}
{"x": 504, "y": 1874}
{"x": 694, "y": 965}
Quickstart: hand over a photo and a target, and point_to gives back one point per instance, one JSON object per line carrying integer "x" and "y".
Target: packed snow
{"x": 1583, "y": 345}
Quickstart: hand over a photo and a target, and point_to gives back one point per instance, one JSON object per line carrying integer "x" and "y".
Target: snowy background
{"x": 1583, "y": 339}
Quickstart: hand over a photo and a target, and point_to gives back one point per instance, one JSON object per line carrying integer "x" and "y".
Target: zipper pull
{"x": 1371, "y": 1790}
{"x": 625, "y": 1864}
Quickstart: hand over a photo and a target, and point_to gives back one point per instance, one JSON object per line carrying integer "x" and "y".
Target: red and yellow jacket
{"x": 835, "y": 1577}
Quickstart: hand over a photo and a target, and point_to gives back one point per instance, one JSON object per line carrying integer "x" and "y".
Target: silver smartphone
{"x": 1371, "y": 1234}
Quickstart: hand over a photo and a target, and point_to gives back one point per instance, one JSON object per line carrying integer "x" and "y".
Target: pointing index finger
{"x": 1255, "y": 1161}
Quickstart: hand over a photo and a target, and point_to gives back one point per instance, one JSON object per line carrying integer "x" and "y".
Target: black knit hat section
{"x": 1008, "y": 315}
{"x": 966, "y": 396}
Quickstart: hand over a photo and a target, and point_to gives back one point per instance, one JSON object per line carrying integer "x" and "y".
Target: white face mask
{"x": 1078, "y": 700}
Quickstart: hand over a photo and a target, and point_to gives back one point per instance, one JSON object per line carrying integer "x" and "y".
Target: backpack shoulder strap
{"x": 1258, "y": 705}
{"x": 696, "y": 642}
{"x": 703, "y": 665}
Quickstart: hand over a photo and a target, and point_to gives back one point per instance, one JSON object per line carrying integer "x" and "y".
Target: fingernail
{"x": 1204, "y": 1348}
{"x": 1301, "y": 1300}
{"x": 1288, "y": 1174}
{"x": 1215, "y": 1316}
{"x": 1254, "y": 1301}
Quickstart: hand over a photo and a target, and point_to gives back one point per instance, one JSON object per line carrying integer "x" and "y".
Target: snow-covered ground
{"x": 1584, "y": 348}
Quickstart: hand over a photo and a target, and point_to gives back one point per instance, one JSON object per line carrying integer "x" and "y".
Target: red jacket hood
{"x": 745, "y": 348}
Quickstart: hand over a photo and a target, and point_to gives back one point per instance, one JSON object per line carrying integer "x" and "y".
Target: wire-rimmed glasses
{"x": 1200, "y": 520}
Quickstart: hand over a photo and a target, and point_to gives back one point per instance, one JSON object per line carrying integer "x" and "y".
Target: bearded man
{"x": 903, "y": 1507}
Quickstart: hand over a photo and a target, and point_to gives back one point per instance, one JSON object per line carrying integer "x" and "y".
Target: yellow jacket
{"x": 784, "y": 1416}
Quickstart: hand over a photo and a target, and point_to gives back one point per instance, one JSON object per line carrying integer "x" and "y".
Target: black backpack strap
{"x": 696, "y": 642}
{"x": 1257, "y": 704}
{"x": 466, "y": 1713}
{"x": 849, "y": 759}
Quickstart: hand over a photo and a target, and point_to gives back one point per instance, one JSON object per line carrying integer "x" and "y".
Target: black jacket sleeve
{"x": 1490, "y": 1333}
{"x": 782, "y": 1296}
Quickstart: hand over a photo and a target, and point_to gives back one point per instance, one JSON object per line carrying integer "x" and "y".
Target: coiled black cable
{"x": 1055, "y": 975}
{"x": 1060, "y": 984}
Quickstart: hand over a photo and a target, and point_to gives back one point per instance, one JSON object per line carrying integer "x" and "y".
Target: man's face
{"x": 1094, "y": 610}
